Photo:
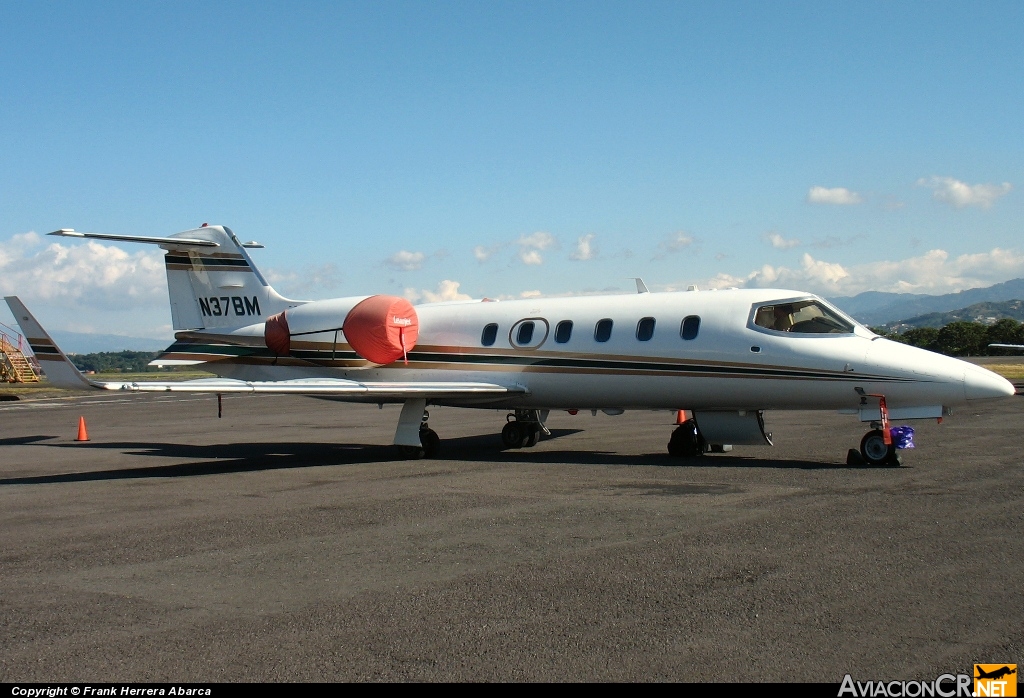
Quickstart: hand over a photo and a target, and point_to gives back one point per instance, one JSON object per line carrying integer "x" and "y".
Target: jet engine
{"x": 380, "y": 329}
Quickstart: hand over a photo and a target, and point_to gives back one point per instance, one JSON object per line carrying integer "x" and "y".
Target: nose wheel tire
{"x": 876, "y": 452}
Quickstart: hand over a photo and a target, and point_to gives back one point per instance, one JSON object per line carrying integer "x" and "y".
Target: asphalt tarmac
{"x": 289, "y": 542}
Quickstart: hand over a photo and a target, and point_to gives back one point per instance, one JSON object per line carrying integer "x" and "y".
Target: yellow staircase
{"x": 14, "y": 367}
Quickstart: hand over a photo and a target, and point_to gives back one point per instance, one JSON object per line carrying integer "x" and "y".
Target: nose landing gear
{"x": 875, "y": 451}
{"x": 877, "y": 447}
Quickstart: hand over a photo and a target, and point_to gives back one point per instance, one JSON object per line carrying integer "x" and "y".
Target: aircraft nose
{"x": 982, "y": 384}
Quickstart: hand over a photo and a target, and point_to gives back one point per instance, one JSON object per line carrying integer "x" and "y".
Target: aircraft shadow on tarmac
{"x": 218, "y": 459}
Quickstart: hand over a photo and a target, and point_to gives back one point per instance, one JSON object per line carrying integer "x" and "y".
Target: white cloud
{"x": 530, "y": 246}
{"x": 531, "y": 257}
{"x": 675, "y": 242}
{"x": 960, "y": 194}
{"x": 934, "y": 272}
{"x": 308, "y": 282}
{"x": 403, "y": 260}
{"x": 482, "y": 253}
{"x": 585, "y": 249}
{"x": 81, "y": 275}
{"x": 779, "y": 242}
{"x": 447, "y": 290}
{"x": 836, "y": 196}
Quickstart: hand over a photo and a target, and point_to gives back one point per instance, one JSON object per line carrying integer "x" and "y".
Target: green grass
{"x": 1012, "y": 372}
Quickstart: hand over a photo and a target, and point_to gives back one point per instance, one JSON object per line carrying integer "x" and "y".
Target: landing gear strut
{"x": 414, "y": 437}
{"x": 524, "y": 428}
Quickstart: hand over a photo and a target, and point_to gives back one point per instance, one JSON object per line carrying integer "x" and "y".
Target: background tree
{"x": 1005, "y": 331}
{"x": 962, "y": 339}
{"x": 923, "y": 337}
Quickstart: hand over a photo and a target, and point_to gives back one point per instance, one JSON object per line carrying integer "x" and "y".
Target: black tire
{"x": 685, "y": 441}
{"x": 431, "y": 442}
{"x": 512, "y": 435}
{"x": 874, "y": 449}
{"x": 532, "y": 435}
{"x": 411, "y": 452}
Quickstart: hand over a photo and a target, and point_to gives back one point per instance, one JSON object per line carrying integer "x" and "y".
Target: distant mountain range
{"x": 82, "y": 343}
{"x": 985, "y": 313}
{"x": 877, "y": 308}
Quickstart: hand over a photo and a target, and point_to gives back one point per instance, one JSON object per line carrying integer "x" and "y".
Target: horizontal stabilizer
{"x": 178, "y": 242}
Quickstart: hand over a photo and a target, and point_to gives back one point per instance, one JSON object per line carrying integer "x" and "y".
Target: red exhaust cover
{"x": 382, "y": 329}
{"x": 276, "y": 334}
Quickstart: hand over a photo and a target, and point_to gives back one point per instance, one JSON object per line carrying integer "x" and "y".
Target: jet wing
{"x": 332, "y": 387}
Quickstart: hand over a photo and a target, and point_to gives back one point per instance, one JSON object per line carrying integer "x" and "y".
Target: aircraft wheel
{"x": 532, "y": 435}
{"x": 685, "y": 442}
{"x": 412, "y": 452}
{"x": 512, "y": 435}
{"x": 875, "y": 451}
{"x": 431, "y": 442}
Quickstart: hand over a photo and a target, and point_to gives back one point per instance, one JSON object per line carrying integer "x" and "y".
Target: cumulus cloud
{"x": 482, "y": 253}
{"x": 308, "y": 282}
{"x": 81, "y": 275}
{"x": 585, "y": 248}
{"x": 447, "y": 290}
{"x": 934, "y": 272}
{"x": 836, "y": 196}
{"x": 960, "y": 194}
{"x": 779, "y": 242}
{"x": 675, "y": 242}
{"x": 403, "y": 260}
{"x": 530, "y": 246}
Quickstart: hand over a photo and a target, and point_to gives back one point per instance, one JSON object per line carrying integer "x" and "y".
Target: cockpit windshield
{"x": 806, "y": 317}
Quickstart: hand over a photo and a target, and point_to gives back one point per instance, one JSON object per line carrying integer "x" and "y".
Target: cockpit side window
{"x": 801, "y": 317}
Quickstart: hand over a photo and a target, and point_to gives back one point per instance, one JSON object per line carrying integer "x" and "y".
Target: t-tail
{"x": 211, "y": 280}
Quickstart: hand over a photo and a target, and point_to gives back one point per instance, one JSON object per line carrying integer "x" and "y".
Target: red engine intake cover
{"x": 276, "y": 334}
{"x": 382, "y": 329}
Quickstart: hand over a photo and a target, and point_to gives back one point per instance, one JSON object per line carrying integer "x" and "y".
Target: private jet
{"x": 717, "y": 359}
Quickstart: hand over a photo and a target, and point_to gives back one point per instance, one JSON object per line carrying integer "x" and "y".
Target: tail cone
{"x": 83, "y": 435}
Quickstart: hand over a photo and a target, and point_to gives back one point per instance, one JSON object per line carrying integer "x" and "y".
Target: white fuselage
{"x": 731, "y": 363}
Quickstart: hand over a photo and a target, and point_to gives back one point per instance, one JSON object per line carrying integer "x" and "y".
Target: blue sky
{"x": 502, "y": 149}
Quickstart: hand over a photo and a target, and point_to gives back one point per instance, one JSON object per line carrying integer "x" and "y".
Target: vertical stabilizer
{"x": 217, "y": 287}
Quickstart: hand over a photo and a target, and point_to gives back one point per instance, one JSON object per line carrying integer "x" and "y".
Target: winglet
{"x": 59, "y": 369}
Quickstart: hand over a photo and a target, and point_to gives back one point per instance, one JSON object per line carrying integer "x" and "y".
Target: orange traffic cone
{"x": 83, "y": 435}
{"x": 680, "y": 416}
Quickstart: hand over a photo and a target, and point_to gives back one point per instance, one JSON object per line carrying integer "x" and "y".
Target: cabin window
{"x": 645, "y": 329}
{"x": 525, "y": 333}
{"x": 563, "y": 331}
{"x": 690, "y": 327}
{"x": 603, "y": 330}
{"x": 802, "y": 317}
{"x": 490, "y": 334}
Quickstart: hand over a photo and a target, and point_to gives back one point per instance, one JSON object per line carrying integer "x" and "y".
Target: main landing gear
{"x": 414, "y": 437}
{"x": 524, "y": 428}
{"x": 686, "y": 441}
{"x": 430, "y": 444}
